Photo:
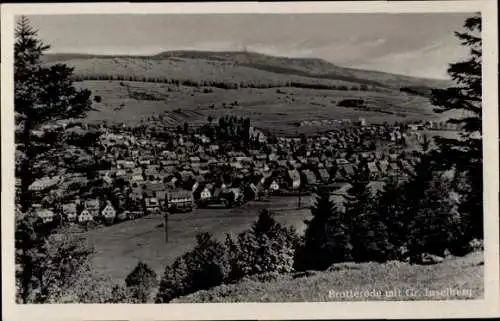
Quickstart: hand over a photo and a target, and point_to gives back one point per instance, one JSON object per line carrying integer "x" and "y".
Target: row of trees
{"x": 219, "y": 84}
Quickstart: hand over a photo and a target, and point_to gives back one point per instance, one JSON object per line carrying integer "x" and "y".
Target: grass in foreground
{"x": 395, "y": 281}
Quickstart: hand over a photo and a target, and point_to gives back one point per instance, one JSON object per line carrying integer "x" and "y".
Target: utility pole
{"x": 165, "y": 225}
{"x": 300, "y": 196}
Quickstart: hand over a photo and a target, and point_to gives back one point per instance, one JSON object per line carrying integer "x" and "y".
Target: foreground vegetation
{"x": 381, "y": 280}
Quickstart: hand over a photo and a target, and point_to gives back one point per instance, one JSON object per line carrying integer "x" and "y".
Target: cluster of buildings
{"x": 145, "y": 174}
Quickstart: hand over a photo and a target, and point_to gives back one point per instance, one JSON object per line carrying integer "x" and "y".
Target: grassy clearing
{"x": 121, "y": 246}
{"x": 394, "y": 281}
{"x": 276, "y": 109}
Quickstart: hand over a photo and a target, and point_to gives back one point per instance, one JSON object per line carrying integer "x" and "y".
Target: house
{"x": 151, "y": 170}
{"x": 45, "y": 215}
{"x": 293, "y": 178}
{"x": 138, "y": 179}
{"x": 393, "y": 168}
{"x": 157, "y": 190}
{"x": 107, "y": 179}
{"x": 238, "y": 194}
{"x": 44, "y": 183}
{"x": 180, "y": 201}
{"x": 93, "y": 206}
{"x": 341, "y": 161}
{"x": 136, "y": 194}
{"x": 85, "y": 216}
{"x": 309, "y": 176}
{"x": 69, "y": 211}
{"x": 372, "y": 169}
{"x": 323, "y": 174}
{"x": 152, "y": 205}
{"x": 206, "y": 193}
{"x": 274, "y": 186}
{"x": 109, "y": 212}
{"x": 383, "y": 165}
{"x": 348, "y": 170}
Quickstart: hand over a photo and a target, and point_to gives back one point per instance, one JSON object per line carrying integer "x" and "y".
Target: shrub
{"x": 141, "y": 282}
{"x": 97, "y": 99}
{"x": 200, "y": 269}
{"x": 267, "y": 247}
{"x": 121, "y": 294}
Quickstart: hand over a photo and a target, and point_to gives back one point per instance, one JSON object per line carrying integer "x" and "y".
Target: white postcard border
{"x": 268, "y": 311}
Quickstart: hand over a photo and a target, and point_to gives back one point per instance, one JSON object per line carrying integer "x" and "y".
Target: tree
{"x": 433, "y": 225}
{"x": 141, "y": 282}
{"x": 267, "y": 247}
{"x": 465, "y": 153}
{"x": 45, "y": 268}
{"x": 369, "y": 236}
{"x": 326, "y": 239}
{"x": 200, "y": 269}
{"x": 42, "y": 95}
{"x": 393, "y": 211}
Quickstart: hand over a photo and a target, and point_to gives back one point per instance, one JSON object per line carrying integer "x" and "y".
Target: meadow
{"x": 119, "y": 247}
{"x": 280, "y": 110}
{"x": 277, "y": 93}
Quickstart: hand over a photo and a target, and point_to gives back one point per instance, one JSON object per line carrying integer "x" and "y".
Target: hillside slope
{"x": 277, "y": 93}
{"x": 310, "y": 67}
{"x": 464, "y": 275}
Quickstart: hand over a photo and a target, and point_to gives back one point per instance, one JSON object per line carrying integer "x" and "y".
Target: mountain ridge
{"x": 310, "y": 67}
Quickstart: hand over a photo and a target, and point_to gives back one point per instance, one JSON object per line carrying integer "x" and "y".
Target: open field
{"x": 382, "y": 280}
{"x": 279, "y": 109}
{"x": 119, "y": 247}
{"x": 135, "y": 89}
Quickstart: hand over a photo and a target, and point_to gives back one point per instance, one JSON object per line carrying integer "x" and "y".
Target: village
{"x": 134, "y": 172}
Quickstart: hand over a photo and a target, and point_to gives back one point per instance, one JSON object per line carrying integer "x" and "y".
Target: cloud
{"x": 430, "y": 61}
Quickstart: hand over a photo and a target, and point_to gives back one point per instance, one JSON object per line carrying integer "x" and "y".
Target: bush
{"x": 97, "y": 99}
{"x": 266, "y": 248}
{"x": 175, "y": 282}
{"x": 121, "y": 294}
{"x": 200, "y": 269}
{"x": 141, "y": 282}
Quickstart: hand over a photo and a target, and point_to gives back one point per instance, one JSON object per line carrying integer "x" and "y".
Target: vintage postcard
{"x": 231, "y": 161}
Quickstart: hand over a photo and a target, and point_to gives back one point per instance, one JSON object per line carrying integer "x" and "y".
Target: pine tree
{"x": 431, "y": 220}
{"x": 369, "y": 235}
{"x": 326, "y": 239}
{"x": 465, "y": 154}
{"x": 393, "y": 212}
{"x": 42, "y": 95}
{"x": 141, "y": 282}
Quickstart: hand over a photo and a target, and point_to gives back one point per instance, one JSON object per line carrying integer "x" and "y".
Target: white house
{"x": 85, "y": 216}
{"x": 205, "y": 194}
{"x": 109, "y": 211}
{"x": 69, "y": 210}
{"x": 93, "y": 206}
{"x": 46, "y": 215}
{"x": 274, "y": 186}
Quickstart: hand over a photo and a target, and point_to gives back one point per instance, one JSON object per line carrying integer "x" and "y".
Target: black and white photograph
{"x": 161, "y": 157}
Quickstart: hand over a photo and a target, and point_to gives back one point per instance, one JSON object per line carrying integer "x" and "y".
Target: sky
{"x": 419, "y": 45}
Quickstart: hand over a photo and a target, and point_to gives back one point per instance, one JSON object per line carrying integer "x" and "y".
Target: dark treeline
{"x": 224, "y": 84}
